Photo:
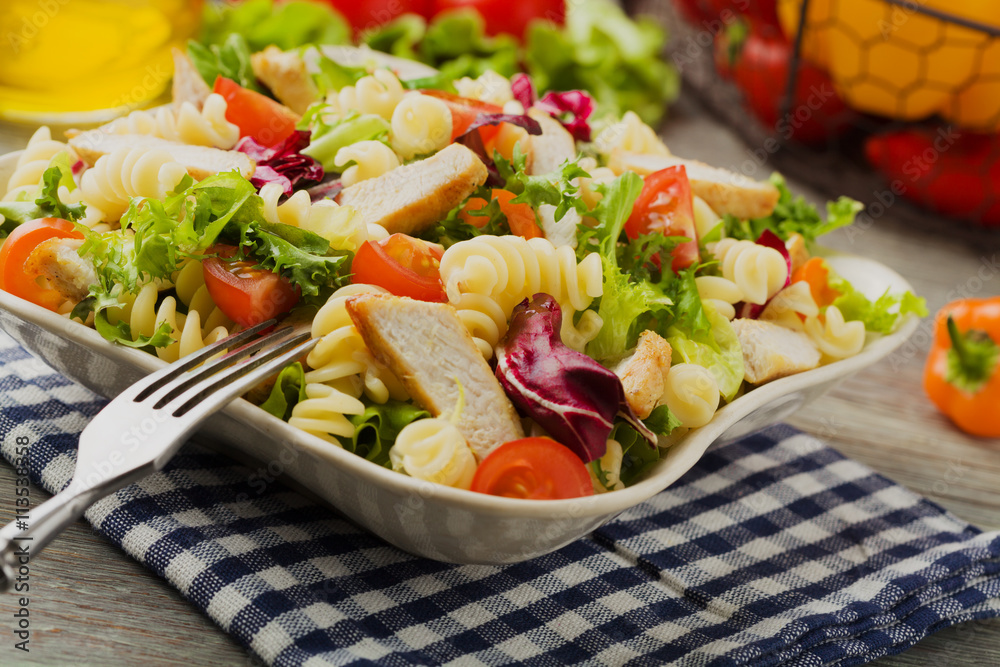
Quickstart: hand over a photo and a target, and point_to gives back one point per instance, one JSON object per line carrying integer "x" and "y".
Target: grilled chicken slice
{"x": 771, "y": 351}
{"x": 428, "y": 348}
{"x": 547, "y": 151}
{"x": 415, "y": 196}
{"x": 200, "y": 161}
{"x": 285, "y": 73}
{"x": 644, "y": 373}
{"x": 725, "y": 191}
{"x": 58, "y": 262}
{"x": 188, "y": 86}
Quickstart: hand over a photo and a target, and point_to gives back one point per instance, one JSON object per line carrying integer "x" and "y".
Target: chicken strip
{"x": 58, "y": 262}
{"x": 644, "y": 373}
{"x": 188, "y": 86}
{"x": 412, "y": 197}
{"x": 200, "y": 161}
{"x": 428, "y": 348}
{"x": 547, "y": 151}
{"x": 286, "y": 75}
{"x": 771, "y": 351}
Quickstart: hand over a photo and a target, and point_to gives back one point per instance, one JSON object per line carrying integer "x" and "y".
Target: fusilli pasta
{"x": 721, "y": 293}
{"x": 434, "y": 450}
{"x": 207, "y": 127}
{"x": 759, "y": 271}
{"x": 833, "y": 336}
{"x": 629, "y": 135}
{"x": 125, "y": 173}
{"x": 371, "y": 159}
{"x": 420, "y": 124}
{"x": 33, "y": 162}
{"x": 692, "y": 394}
{"x": 337, "y": 224}
{"x": 488, "y": 87}
{"x": 487, "y": 276}
{"x": 377, "y": 93}
{"x": 789, "y": 304}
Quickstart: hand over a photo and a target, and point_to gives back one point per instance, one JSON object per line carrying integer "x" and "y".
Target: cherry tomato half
{"x": 247, "y": 295}
{"x": 401, "y": 264}
{"x": 17, "y": 249}
{"x": 665, "y": 205}
{"x": 365, "y": 15}
{"x": 533, "y": 468}
{"x": 509, "y": 17}
{"x": 257, "y": 116}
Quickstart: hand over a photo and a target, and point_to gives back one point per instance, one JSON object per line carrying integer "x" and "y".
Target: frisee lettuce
{"x": 376, "y": 429}
{"x": 288, "y": 390}
{"x": 287, "y": 25}
{"x": 327, "y": 139}
{"x": 45, "y": 202}
{"x": 231, "y": 60}
{"x": 880, "y": 316}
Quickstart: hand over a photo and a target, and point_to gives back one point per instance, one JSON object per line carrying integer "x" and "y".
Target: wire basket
{"x": 838, "y": 164}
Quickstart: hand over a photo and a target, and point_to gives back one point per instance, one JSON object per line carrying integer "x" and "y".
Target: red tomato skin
{"x": 15, "y": 252}
{"x": 246, "y": 295}
{"x": 367, "y": 15}
{"x": 416, "y": 276}
{"x": 512, "y": 18}
{"x": 257, "y": 116}
{"x": 666, "y": 205}
{"x": 533, "y": 469}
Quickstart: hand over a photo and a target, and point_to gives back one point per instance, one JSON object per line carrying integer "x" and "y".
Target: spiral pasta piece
{"x": 629, "y": 135}
{"x": 611, "y": 466}
{"x": 129, "y": 172}
{"x": 488, "y": 87}
{"x": 833, "y": 336}
{"x": 719, "y": 292}
{"x": 420, "y": 124}
{"x": 487, "y": 276}
{"x": 759, "y": 271}
{"x": 189, "y": 283}
{"x": 434, "y": 450}
{"x": 691, "y": 393}
{"x": 337, "y": 224}
{"x": 324, "y": 411}
{"x": 377, "y": 93}
{"x": 33, "y": 162}
{"x": 207, "y": 127}
{"x": 371, "y": 159}
{"x": 791, "y": 306}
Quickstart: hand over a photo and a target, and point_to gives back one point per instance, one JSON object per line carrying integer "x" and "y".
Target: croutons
{"x": 723, "y": 190}
{"x": 415, "y": 196}
{"x": 771, "y": 351}
{"x": 428, "y": 348}
{"x": 200, "y": 161}
{"x": 644, "y": 372}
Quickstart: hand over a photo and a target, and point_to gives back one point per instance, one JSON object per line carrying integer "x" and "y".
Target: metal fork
{"x": 141, "y": 429}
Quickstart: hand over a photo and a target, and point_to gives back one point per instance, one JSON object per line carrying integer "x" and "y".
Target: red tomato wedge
{"x": 665, "y": 205}
{"x": 509, "y": 17}
{"x": 247, "y": 295}
{"x": 17, "y": 249}
{"x": 401, "y": 264}
{"x": 367, "y": 15}
{"x": 257, "y": 116}
{"x": 533, "y": 468}
{"x": 464, "y": 112}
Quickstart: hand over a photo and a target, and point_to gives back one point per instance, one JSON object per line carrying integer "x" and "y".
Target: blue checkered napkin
{"x": 773, "y": 551}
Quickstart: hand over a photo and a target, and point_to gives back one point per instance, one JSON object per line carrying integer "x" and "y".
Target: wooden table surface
{"x": 91, "y": 604}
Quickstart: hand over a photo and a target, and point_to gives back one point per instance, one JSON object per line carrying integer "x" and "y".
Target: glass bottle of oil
{"x": 88, "y": 58}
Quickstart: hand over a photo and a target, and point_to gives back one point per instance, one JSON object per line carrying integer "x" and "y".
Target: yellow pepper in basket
{"x": 894, "y": 61}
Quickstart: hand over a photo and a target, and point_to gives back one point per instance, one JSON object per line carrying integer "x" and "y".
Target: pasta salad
{"x": 518, "y": 296}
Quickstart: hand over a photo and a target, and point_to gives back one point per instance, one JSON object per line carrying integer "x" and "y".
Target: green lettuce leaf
{"x": 287, "y": 25}
{"x": 289, "y": 388}
{"x": 377, "y": 428}
{"x": 333, "y": 76}
{"x": 327, "y": 139}
{"x": 231, "y": 60}
{"x": 880, "y": 316}
{"x": 794, "y": 215}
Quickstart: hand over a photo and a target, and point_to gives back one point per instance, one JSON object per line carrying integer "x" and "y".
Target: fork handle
{"x": 44, "y": 523}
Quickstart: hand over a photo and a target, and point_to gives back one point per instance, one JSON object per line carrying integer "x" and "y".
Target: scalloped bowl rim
{"x": 686, "y": 452}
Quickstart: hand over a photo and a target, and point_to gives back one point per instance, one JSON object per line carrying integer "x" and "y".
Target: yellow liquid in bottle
{"x": 66, "y": 56}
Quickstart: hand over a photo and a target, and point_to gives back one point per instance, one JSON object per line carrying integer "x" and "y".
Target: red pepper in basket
{"x": 945, "y": 169}
{"x": 757, "y": 59}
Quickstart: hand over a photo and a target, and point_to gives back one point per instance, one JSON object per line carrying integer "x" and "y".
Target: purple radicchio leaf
{"x": 572, "y": 108}
{"x": 283, "y": 164}
{"x": 328, "y": 188}
{"x": 474, "y": 141}
{"x": 569, "y": 394}
{"x": 767, "y": 238}
{"x": 523, "y": 90}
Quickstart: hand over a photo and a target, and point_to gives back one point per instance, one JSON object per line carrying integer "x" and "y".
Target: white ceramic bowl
{"x": 426, "y": 519}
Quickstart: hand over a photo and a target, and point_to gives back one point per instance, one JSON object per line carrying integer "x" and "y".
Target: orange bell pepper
{"x": 962, "y": 374}
{"x": 897, "y": 62}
